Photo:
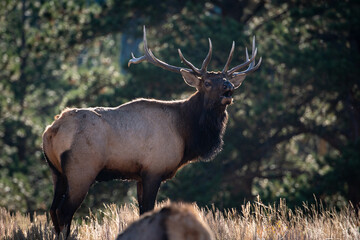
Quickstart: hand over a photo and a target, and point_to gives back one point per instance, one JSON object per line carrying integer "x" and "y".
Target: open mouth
{"x": 228, "y": 94}
{"x": 226, "y": 98}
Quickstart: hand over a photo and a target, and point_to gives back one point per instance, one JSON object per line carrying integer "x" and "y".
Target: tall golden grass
{"x": 254, "y": 221}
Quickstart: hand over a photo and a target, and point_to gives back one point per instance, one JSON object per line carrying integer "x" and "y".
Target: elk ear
{"x": 237, "y": 80}
{"x": 190, "y": 78}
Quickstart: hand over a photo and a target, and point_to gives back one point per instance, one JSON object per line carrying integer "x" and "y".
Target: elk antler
{"x": 149, "y": 56}
{"x": 249, "y": 62}
{"x": 205, "y": 64}
{"x": 194, "y": 69}
{"x": 226, "y": 67}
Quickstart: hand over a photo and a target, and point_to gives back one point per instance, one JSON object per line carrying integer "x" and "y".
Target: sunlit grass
{"x": 254, "y": 221}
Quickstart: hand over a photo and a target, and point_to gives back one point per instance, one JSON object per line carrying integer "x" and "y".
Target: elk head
{"x": 217, "y": 87}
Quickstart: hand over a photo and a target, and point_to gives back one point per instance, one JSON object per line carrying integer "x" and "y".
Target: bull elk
{"x": 145, "y": 140}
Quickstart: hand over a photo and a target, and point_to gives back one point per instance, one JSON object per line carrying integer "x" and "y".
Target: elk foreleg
{"x": 149, "y": 186}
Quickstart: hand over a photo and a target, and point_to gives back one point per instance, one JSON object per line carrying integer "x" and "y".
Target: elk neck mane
{"x": 202, "y": 128}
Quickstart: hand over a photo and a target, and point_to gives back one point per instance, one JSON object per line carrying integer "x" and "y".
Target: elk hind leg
{"x": 79, "y": 179}
{"x": 70, "y": 202}
{"x": 60, "y": 188}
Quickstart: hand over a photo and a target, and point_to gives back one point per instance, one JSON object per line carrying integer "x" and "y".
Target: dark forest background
{"x": 294, "y": 128}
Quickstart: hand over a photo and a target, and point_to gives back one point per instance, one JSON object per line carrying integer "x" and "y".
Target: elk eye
{"x": 207, "y": 84}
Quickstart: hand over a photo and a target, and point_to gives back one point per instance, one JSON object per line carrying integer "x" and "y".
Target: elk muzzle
{"x": 228, "y": 89}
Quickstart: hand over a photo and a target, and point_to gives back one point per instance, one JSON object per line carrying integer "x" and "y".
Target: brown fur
{"x": 172, "y": 222}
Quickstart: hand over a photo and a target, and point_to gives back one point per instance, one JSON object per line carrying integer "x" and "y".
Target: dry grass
{"x": 254, "y": 221}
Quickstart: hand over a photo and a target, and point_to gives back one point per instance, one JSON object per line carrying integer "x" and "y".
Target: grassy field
{"x": 254, "y": 221}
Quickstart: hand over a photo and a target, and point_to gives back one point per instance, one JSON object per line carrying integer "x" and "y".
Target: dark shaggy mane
{"x": 202, "y": 128}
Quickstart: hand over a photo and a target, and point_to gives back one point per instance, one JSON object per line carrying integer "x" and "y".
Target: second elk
{"x": 173, "y": 222}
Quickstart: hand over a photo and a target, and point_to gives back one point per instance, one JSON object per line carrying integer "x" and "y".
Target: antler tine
{"x": 248, "y": 61}
{"x": 254, "y": 68}
{"x": 207, "y": 59}
{"x": 195, "y": 69}
{"x": 226, "y": 67}
{"x": 250, "y": 69}
{"x": 149, "y": 56}
{"x": 135, "y": 60}
{"x": 142, "y": 58}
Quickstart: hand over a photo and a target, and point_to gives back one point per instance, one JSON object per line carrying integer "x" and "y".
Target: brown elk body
{"x": 144, "y": 140}
{"x": 172, "y": 222}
